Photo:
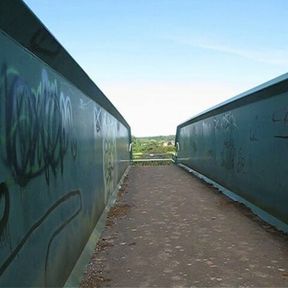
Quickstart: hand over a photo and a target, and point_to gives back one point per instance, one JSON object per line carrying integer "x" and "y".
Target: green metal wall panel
{"x": 242, "y": 145}
{"x": 62, "y": 155}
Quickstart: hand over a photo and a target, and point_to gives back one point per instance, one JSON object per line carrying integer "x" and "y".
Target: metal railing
{"x": 153, "y": 159}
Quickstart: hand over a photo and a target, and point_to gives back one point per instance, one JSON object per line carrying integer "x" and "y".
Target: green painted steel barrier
{"x": 64, "y": 148}
{"x": 241, "y": 146}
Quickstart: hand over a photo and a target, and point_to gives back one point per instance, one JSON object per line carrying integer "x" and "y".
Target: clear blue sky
{"x": 163, "y": 61}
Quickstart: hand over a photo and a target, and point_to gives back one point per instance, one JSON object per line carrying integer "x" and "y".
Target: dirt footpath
{"x": 169, "y": 229}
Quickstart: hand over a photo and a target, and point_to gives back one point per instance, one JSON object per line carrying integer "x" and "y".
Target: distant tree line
{"x": 153, "y": 145}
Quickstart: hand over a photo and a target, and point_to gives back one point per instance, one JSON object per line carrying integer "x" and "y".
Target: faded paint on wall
{"x": 243, "y": 147}
{"x": 61, "y": 157}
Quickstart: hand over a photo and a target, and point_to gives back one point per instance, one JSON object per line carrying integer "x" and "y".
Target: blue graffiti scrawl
{"x": 39, "y": 127}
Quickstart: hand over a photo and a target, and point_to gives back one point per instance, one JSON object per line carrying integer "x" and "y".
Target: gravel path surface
{"x": 169, "y": 229}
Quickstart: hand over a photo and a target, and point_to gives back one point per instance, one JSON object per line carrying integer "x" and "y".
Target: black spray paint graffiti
{"x": 39, "y": 127}
{"x": 228, "y": 124}
{"x": 38, "y": 43}
{"x": 61, "y": 226}
{"x": 39, "y": 132}
{"x": 4, "y": 208}
{"x": 109, "y": 154}
{"x": 280, "y": 118}
{"x": 65, "y": 198}
{"x": 97, "y": 120}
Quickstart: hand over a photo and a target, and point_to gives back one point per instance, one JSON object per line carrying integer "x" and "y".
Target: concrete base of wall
{"x": 256, "y": 210}
{"x": 76, "y": 275}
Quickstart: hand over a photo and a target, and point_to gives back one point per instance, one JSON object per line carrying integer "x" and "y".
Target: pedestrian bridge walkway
{"x": 170, "y": 229}
{"x": 64, "y": 148}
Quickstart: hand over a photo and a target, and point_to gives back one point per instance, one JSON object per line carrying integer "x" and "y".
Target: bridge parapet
{"x": 241, "y": 147}
{"x": 64, "y": 148}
